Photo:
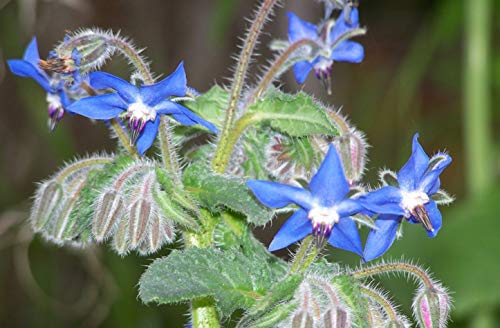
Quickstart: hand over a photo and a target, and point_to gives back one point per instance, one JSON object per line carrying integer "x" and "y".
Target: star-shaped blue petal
{"x": 141, "y": 105}
{"x": 418, "y": 180}
{"x": 332, "y": 40}
{"x": 324, "y": 204}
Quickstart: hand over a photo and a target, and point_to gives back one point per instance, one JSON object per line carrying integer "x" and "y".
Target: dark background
{"x": 411, "y": 80}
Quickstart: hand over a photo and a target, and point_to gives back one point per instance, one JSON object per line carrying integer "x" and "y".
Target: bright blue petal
{"x": 379, "y": 241}
{"x": 65, "y": 101}
{"x": 428, "y": 182}
{"x": 190, "y": 118}
{"x": 173, "y": 85}
{"x": 102, "y": 107}
{"x": 277, "y": 195}
{"x": 434, "y": 188}
{"x": 294, "y": 229}
{"x": 435, "y": 217}
{"x": 343, "y": 26}
{"x": 299, "y": 29}
{"x": 348, "y": 51}
{"x": 345, "y": 235}
{"x": 329, "y": 183}
{"x": 25, "y": 69}
{"x": 385, "y": 200}
{"x": 31, "y": 54}
{"x": 103, "y": 80}
{"x": 348, "y": 207}
{"x": 301, "y": 69}
{"x": 411, "y": 173}
{"x": 148, "y": 136}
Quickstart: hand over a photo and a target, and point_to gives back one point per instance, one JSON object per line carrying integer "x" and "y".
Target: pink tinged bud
{"x": 109, "y": 210}
{"x": 47, "y": 200}
{"x": 431, "y": 307}
{"x": 140, "y": 213}
{"x": 121, "y": 238}
{"x": 302, "y": 319}
{"x": 352, "y": 149}
{"x": 336, "y": 318}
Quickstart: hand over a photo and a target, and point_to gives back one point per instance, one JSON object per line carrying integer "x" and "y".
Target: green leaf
{"x": 215, "y": 190}
{"x": 211, "y": 105}
{"x": 234, "y": 280}
{"x": 296, "y": 115}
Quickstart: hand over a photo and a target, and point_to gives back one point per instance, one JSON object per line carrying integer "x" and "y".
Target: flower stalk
{"x": 224, "y": 147}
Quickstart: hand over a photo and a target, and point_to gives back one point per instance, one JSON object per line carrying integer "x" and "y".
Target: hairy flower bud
{"x": 92, "y": 46}
{"x": 431, "y": 307}
{"x": 47, "y": 200}
{"x": 302, "y": 319}
{"x": 109, "y": 209}
{"x": 352, "y": 149}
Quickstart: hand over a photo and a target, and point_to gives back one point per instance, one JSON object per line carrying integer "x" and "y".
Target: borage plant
{"x": 227, "y": 158}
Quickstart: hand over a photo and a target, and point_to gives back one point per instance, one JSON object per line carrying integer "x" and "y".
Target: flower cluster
{"x": 326, "y": 211}
{"x": 68, "y": 90}
{"x": 332, "y": 37}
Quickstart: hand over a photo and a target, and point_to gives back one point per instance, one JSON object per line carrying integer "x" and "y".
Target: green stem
{"x": 169, "y": 153}
{"x": 124, "y": 139}
{"x": 276, "y": 68}
{"x": 305, "y": 255}
{"x": 203, "y": 310}
{"x": 394, "y": 267}
{"x": 223, "y": 149}
{"x": 67, "y": 171}
{"x": 477, "y": 111}
{"x": 384, "y": 303}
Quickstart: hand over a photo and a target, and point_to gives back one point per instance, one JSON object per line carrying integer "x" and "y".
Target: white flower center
{"x": 413, "y": 199}
{"x": 53, "y": 100}
{"x": 141, "y": 112}
{"x": 327, "y": 216}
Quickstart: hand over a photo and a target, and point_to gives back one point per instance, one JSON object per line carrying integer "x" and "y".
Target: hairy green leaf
{"x": 210, "y": 105}
{"x": 213, "y": 190}
{"x": 235, "y": 281}
{"x": 296, "y": 115}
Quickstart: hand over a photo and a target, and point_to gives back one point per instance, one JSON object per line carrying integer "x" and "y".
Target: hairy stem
{"x": 305, "y": 255}
{"x": 203, "y": 310}
{"x": 170, "y": 160}
{"x": 277, "y": 67}
{"x": 381, "y": 300}
{"x": 124, "y": 138}
{"x": 223, "y": 149}
{"x": 67, "y": 171}
{"x": 413, "y": 270}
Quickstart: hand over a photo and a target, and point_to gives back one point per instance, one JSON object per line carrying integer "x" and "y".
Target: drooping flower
{"x": 324, "y": 209}
{"x": 332, "y": 37}
{"x": 413, "y": 199}
{"x": 29, "y": 66}
{"x": 142, "y": 106}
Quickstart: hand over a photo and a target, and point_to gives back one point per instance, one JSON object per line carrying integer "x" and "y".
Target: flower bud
{"x": 140, "y": 214}
{"x": 336, "y": 318}
{"x": 109, "y": 209}
{"x": 120, "y": 238}
{"x": 47, "y": 200}
{"x": 431, "y": 307}
{"x": 92, "y": 46}
{"x": 302, "y": 319}
{"x": 352, "y": 149}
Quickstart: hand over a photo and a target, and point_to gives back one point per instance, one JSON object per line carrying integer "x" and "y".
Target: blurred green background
{"x": 431, "y": 66}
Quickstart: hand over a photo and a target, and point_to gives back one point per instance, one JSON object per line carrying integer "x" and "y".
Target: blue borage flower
{"x": 324, "y": 208}
{"x": 418, "y": 181}
{"x": 142, "y": 106}
{"x": 29, "y": 66}
{"x": 327, "y": 36}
